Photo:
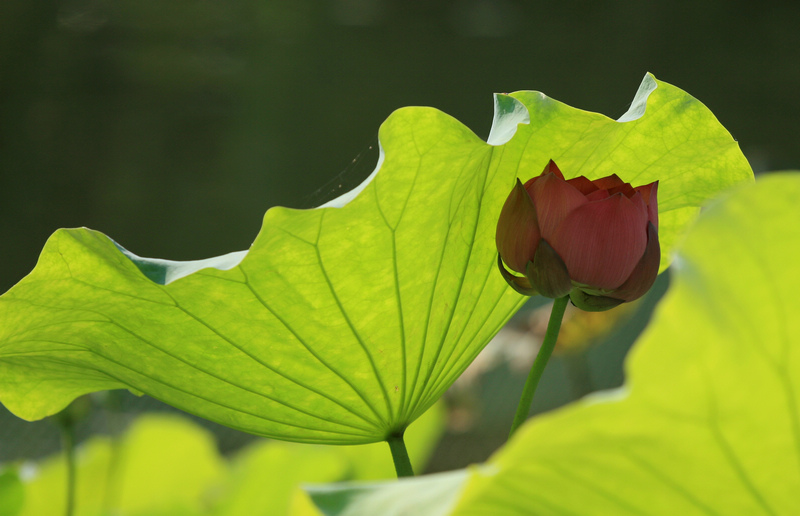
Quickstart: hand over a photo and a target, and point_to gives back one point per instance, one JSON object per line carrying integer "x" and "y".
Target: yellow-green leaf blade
{"x": 341, "y": 324}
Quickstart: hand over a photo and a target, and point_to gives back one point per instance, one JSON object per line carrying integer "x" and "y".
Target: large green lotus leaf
{"x": 709, "y": 420}
{"x": 342, "y": 324}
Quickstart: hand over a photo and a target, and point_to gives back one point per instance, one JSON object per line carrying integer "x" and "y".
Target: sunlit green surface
{"x": 708, "y": 422}
{"x": 165, "y": 465}
{"x": 342, "y": 324}
{"x": 162, "y": 466}
{"x": 12, "y": 493}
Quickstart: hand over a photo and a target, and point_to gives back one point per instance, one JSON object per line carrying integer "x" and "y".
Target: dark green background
{"x": 173, "y": 125}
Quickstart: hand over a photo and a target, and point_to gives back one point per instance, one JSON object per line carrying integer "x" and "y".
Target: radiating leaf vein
{"x": 727, "y": 450}
{"x": 315, "y": 354}
{"x": 217, "y": 377}
{"x": 281, "y": 374}
{"x": 674, "y": 485}
{"x": 355, "y": 333}
{"x": 590, "y": 484}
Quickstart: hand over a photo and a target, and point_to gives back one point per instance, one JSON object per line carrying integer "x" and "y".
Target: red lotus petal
{"x": 554, "y": 199}
{"x": 645, "y": 272}
{"x": 599, "y": 195}
{"x": 646, "y": 190}
{"x": 517, "y": 230}
{"x": 583, "y": 185}
{"x": 608, "y": 182}
{"x": 650, "y": 195}
{"x": 639, "y": 202}
{"x": 601, "y": 242}
{"x": 626, "y": 189}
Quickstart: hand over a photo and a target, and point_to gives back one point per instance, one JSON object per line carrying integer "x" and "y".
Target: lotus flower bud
{"x": 596, "y": 241}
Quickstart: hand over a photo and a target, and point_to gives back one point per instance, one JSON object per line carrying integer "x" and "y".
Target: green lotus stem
{"x": 548, "y": 344}
{"x": 402, "y": 464}
{"x": 68, "y": 444}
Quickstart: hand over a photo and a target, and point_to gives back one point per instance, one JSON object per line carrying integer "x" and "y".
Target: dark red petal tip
{"x": 608, "y": 182}
{"x": 552, "y": 168}
{"x": 554, "y": 199}
{"x": 583, "y": 185}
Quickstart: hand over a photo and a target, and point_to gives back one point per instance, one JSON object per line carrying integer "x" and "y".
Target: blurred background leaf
{"x": 166, "y": 465}
{"x": 162, "y": 465}
{"x": 12, "y": 492}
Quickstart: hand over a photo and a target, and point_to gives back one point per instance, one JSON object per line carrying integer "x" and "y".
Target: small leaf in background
{"x": 12, "y": 493}
{"x": 343, "y": 324}
{"x": 163, "y": 465}
{"x": 167, "y": 465}
{"x": 708, "y": 422}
